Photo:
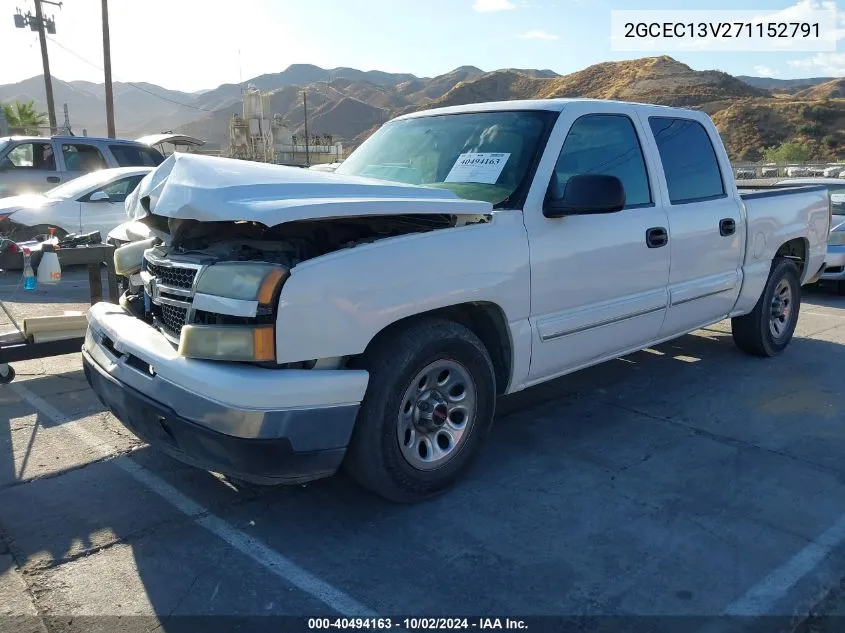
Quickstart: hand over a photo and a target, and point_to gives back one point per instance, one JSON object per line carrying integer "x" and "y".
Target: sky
{"x": 192, "y": 45}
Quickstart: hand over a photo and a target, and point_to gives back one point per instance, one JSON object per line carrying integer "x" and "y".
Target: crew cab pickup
{"x": 281, "y": 323}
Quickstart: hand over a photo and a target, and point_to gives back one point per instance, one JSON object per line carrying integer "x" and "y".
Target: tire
{"x": 840, "y": 288}
{"x": 27, "y": 233}
{"x": 754, "y": 333}
{"x": 9, "y": 376}
{"x": 442, "y": 429}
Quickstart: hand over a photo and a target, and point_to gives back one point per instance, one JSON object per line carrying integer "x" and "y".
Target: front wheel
{"x": 428, "y": 408}
{"x": 768, "y": 328}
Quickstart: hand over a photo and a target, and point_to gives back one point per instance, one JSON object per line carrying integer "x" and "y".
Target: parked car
{"x": 287, "y": 321}
{"x": 33, "y": 164}
{"x": 834, "y": 271}
{"x": 93, "y": 202}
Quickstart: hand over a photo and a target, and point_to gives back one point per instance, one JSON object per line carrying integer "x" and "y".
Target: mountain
{"x": 834, "y": 89}
{"x": 660, "y": 80}
{"x": 782, "y": 85}
{"x": 751, "y": 112}
{"x": 134, "y": 105}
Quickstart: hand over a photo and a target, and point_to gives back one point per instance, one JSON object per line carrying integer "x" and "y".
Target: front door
{"x": 598, "y": 282}
{"x": 105, "y": 215}
{"x": 28, "y": 167}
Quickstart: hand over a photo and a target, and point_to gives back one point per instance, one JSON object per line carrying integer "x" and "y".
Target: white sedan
{"x": 93, "y": 202}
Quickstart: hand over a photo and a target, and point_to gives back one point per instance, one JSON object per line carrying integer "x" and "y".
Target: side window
{"x": 133, "y": 156}
{"x": 31, "y": 156}
{"x": 82, "y": 157}
{"x": 120, "y": 189}
{"x": 689, "y": 160}
{"x": 606, "y": 144}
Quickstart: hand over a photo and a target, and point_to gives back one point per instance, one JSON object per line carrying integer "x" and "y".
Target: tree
{"x": 786, "y": 153}
{"x": 23, "y": 116}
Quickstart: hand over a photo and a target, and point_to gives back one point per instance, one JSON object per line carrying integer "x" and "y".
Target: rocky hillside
{"x": 834, "y": 89}
{"x": 750, "y": 125}
{"x": 752, "y": 113}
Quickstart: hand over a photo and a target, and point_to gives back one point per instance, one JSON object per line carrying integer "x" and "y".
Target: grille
{"x": 173, "y": 275}
{"x": 172, "y": 319}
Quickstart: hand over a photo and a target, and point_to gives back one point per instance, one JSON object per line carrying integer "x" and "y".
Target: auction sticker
{"x": 482, "y": 167}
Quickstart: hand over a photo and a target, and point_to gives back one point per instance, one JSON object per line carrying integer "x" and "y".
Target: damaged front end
{"x": 211, "y": 288}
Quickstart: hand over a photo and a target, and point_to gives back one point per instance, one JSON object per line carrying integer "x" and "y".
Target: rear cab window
{"x": 689, "y": 160}
{"x": 136, "y": 156}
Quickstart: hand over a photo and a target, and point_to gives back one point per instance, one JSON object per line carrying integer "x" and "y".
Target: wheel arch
{"x": 795, "y": 249}
{"x": 484, "y": 319}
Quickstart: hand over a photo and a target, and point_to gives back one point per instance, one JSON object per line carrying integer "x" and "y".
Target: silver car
{"x": 33, "y": 164}
{"x": 835, "y": 261}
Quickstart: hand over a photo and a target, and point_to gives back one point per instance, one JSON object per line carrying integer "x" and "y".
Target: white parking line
{"x": 253, "y": 548}
{"x": 762, "y": 597}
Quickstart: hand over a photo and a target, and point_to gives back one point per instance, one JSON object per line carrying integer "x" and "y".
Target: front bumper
{"x": 265, "y": 426}
{"x": 834, "y": 264}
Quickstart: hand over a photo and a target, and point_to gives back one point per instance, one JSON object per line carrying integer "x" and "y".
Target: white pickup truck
{"x": 282, "y": 322}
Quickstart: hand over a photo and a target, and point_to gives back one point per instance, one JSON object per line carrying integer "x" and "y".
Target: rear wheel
{"x": 768, "y": 328}
{"x": 428, "y": 408}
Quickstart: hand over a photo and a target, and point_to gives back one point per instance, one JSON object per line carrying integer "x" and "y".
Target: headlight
{"x": 837, "y": 238}
{"x": 247, "y": 282}
{"x": 228, "y": 342}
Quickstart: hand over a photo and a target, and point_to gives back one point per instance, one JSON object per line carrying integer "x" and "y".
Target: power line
{"x": 129, "y": 83}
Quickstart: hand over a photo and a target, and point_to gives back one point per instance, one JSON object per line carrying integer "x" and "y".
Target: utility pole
{"x": 38, "y": 23}
{"x": 107, "y": 68}
{"x": 305, "y": 110}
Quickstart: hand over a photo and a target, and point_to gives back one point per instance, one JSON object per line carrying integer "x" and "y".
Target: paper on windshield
{"x": 481, "y": 167}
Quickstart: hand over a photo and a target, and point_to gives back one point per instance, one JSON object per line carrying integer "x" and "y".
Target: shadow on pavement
{"x": 589, "y": 499}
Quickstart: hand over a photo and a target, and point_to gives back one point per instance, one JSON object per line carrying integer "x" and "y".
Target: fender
{"x": 336, "y": 304}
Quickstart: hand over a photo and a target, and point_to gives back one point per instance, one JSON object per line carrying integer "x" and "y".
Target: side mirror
{"x": 586, "y": 194}
{"x": 99, "y": 196}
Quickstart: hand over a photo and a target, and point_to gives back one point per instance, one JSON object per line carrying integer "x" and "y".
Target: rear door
{"x": 598, "y": 288}
{"x": 82, "y": 158}
{"x": 28, "y": 167}
{"x": 706, "y": 222}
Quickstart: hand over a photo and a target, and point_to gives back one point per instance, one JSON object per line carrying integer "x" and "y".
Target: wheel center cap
{"x": 432, "y": 413}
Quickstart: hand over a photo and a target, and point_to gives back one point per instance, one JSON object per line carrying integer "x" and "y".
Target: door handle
{"x": 727, "y": 227}
{"x": 53, "y": 179}
{"x": 656, "y": 237}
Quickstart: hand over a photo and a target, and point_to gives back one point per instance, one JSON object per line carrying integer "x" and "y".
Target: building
{"x": 264, "y": 137}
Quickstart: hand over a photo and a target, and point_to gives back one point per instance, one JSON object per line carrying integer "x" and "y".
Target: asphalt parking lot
{"x": 687, "y": 480}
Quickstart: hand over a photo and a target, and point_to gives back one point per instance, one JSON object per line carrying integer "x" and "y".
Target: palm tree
{"x": 22, "y": 116}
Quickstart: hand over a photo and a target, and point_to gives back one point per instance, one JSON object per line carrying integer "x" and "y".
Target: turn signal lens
{"x": 269, "y": 286}
{"x": 228, "y": 342}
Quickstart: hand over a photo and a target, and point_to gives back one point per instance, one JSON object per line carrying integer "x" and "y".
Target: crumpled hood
{"x": 211, "y": 189}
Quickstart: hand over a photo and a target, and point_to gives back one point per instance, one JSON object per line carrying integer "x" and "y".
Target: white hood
{"x": 211, "y": 189}
{"x": 27, "y": 201}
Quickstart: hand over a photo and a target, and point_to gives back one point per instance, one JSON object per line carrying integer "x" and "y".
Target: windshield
{"x": 79, "y": 186}
{"x": 485, "y": 156}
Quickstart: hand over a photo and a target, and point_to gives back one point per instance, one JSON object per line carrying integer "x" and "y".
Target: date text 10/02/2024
{"x": 418, "y": 624}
